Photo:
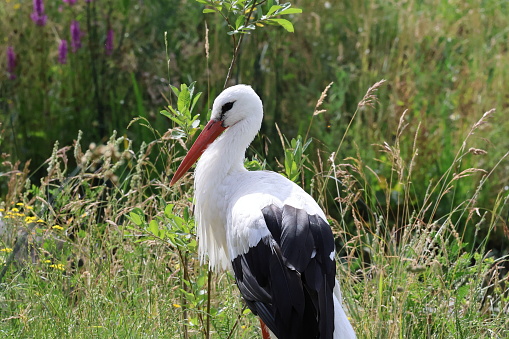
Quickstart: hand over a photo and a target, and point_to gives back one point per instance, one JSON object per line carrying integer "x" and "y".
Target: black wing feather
{"x": 287, "y": 279}
{"x": 297, "y": 243}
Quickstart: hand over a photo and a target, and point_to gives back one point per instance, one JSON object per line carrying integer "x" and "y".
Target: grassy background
{"x": 417, "y": 190}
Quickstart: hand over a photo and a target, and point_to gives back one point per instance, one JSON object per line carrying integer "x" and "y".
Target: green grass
{"x": 414, "y": 179}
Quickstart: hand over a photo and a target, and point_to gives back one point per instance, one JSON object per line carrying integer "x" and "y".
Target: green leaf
{"x": 240, "y": 21}
{"x": 186, "y": 214}
{"x": 195, "y": 99}
{"x": 288, "y": 162}
{"x": 290, "y": 11}
{"x": 168, "y": 211}
{"x": 201, "y": 280}
{"x": 178, "y": 121}
{"x": 178, "y": 242}
{"x": 184, "y": 99}
{"x": 153, "y": 227}
{"x": 165, "y": 113}
{"x": 192, "y": 245}
{"x": 273, "y": 9}
{"x": 136, "y": 217}
{"x": 191, "y": 88}
{"x": 294, "y": 143}
{"x": 285, "y": 24}
{"x": 189, "y": 295}
{"x": 175, "y": 90}
{"x": 253, "y": 165}
{"x": 178, "y": 221}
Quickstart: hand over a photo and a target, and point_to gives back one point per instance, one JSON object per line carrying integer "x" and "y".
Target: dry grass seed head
{"x": 477, "y": 151}
{"x": 467, "y": 173}
{"x": 349, "y": 183}
{"x": 401, "y": 124}
{"x": 320, "y": 101}
{"x": 394, "y": 155}
{"x": 370, "y": 97}
{"x": 483, "y": 120}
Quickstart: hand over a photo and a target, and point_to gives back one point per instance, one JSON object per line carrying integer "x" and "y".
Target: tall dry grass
{"x": 407, "y": 270}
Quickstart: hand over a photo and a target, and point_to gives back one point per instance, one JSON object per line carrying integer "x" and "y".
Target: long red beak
{"x": 213, "y": 129}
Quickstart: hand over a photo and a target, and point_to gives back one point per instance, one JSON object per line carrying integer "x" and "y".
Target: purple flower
{"x": 62, "y": 52}
{"x": 75, "y": 36}
{"x": 38, "y": 15}
{"x": 11, "y": 62}
{"x": 108, "y": 45}
{"x": 70, "y": 2}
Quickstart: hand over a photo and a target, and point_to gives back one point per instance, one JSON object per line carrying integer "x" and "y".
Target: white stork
{"x": 264, "y": 226}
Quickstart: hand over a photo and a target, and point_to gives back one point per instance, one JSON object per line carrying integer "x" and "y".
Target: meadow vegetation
{"x": 411, "y": 170}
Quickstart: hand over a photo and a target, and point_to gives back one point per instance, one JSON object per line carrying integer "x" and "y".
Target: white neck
{"x": 220, "y": 159}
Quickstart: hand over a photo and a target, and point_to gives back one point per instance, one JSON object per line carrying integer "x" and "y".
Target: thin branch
{"x": 237, "y": 46}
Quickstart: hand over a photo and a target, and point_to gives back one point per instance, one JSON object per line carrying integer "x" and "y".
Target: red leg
{"x": 265, "y": 330}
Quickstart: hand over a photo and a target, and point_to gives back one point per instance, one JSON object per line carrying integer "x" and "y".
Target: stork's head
{"x": 235, "y": 104}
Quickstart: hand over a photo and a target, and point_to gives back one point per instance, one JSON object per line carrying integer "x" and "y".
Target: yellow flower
{"x": 2, "y": 210}
{"x": 30, "y": 219}
{"x": 16, "y": 6}
{"x": 57, "y": 227}
{"x": 176, "y": 305}
{"x": 18, "y": 174}
{"x": 6, "y": 250}
{"x": 20, "y": 204}
{"x": 58, "y": 266}
{"x": 40, "y": 221}
{"x": 46, "y": 261}
{"x": 29, "y": 207}
{"x": 15, "y": 210}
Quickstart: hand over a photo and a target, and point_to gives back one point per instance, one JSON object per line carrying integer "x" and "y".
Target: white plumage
{"x": 272, "y": 231}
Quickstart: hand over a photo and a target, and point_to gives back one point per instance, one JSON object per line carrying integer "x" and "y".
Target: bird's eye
{"x": 226, "y": 107}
